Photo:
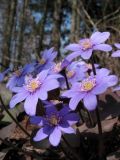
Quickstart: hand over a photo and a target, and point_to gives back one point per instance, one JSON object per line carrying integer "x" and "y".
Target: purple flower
{"x": 34, "y": 89}
{"x": 89, "y": 66}
{"x": 116, "y": 53}
{"x": 2, "y": 75}
{"x": 51, "y": 103}
{"x": 60, "y": 66}
{"x": 74, "y": 72}
{"x": 116, "y": 88}
{"x": 47, "y": 103}
{"x": 86, "y": 67}
{"x": 56, "y": 68}
{"x": 18, "y": 76}
{"x": 46, "y": 60}
{"x": 65, "y": 63}
{"x": 54, "y": 124}
{"x": 86, "y": 46}
{"x": 89, "y": 88}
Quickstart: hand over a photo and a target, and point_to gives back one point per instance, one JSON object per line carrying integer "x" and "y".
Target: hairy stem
{"x": 66, "y": 142}
{"x": 97, "y": 111}
{"x": 81, "y": 116}
{"x": 90, "y": 118}
{"x": 101, "y": 145}
{"x": 11, "y": 116}
{"x": 66, "y": 80}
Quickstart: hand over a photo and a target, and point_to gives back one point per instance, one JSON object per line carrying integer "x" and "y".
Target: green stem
{"x": 7, "y": 111}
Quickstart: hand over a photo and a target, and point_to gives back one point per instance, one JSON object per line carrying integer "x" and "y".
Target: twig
{"x": 107, "y": 16}
{"x": 114, "y": 29}
{"x": 88, "y": 16}
{"x": 32, "y": 153}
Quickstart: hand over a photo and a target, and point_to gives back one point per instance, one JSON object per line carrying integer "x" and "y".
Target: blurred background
{"x": 29, "y": 26}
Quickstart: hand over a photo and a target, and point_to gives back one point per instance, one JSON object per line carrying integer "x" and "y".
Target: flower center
{"x": 57, "y": 68}
{"x": 54, "y": 120}
{"x": 88, "y": 84}
{"x": 70, "y": 74}
{"x": 42, "y": 61}
{"x": 33, "y": 85}
{"x": 86, "y": 44}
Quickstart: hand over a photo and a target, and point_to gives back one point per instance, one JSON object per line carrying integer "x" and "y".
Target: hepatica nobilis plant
{"x": 51, "y": 92}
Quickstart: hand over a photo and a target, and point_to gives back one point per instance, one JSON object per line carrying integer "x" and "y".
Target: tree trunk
{"x": 73, "y": 21}
{"x": 77, "y": 22}
{"x": 57, "y": 19}
{"x": 10, "y": 14}
{"x": 41, "y": 28}
{"x": 22, "y": 28}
